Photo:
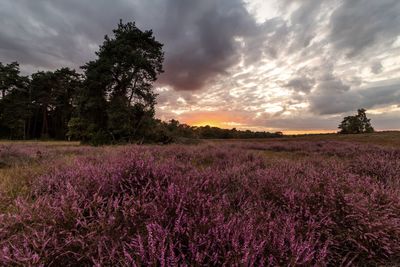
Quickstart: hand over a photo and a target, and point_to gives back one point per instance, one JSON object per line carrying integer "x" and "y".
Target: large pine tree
{"x": 117, "y": 97}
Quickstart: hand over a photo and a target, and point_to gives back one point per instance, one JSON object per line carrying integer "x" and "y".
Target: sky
{"x": 296, "y": 66}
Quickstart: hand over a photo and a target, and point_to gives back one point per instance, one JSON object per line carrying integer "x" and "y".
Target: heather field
{"x": 305, "y": 201}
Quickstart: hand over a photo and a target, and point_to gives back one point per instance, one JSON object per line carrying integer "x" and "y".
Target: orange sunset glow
{"x": 213, "y": 119}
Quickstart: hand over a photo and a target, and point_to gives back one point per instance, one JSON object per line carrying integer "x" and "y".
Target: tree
{"x": 15, "y": 114}
{"x": 40, "y": 107}
{"x": 118, "y": 95}
{"x": 14, "y": 102}
{"x": 67, "y": 85}
{"x": 52, "y": 96}
{"x": 356, "y": 124}
{"x": 10, "y": 78}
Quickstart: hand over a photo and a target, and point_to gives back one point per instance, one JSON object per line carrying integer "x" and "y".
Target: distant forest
{"x": 112, "y": 101}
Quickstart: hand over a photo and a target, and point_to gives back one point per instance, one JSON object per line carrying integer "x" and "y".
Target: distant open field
{"x": 297, "y": 201}
{"x": 389, "y": 138}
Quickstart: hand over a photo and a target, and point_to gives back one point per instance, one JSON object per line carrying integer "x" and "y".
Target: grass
{"x": 388, "y": 138}
{"x": 21, "y": 162}
{"x": 15, "y": 182}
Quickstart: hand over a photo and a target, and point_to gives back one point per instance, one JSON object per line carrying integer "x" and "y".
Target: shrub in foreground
{"x": 208, "y": 205}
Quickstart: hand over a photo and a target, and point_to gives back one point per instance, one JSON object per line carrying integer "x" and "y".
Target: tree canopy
{"x": 356, "y": 124}
{"x": 117, "y": 95}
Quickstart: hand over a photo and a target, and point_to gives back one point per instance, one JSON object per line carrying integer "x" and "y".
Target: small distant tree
{"x": 356, "y": 124}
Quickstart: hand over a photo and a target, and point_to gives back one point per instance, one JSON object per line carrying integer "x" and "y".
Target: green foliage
{"x": 10, "y": 78}
{"x": 117, "y": 96}
{"x": 208, "y": 132}
{"x": 39, "y": 107}
{"x": 76, "y": 129}
{"x": 53, "y": 96}
{"x": 14, "y": 102}
{"x": 356, "y": 124}
{"x": 173, "y": 131}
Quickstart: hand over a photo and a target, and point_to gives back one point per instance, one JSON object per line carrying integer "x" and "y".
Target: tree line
{"x": 112, "y": 101}
{"x": 173, "y": 131}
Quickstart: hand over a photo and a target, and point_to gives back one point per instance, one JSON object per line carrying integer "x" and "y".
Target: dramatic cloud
{"x": 339, "y": 99}
{"x": 292, "y": 65}
{"x": 376, "y": 67}
{"x": 203, "y": 40}
{"x": 302, "y": 84}
{"x": 358, "y": 25}
{"x": 199, "y": 36}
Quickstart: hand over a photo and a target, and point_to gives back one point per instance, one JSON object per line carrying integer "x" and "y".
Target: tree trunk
{"x": 45, "y": 126}
{"x": 133, "y": 90}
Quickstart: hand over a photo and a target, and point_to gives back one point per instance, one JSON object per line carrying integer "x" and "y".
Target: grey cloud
{"x": 199, "y": 36}
{"x": 334, "y": 97}
{"x": 304, "y": 23}
{"x": 328, "y": 95}
{"x": 377, "y": 68}
{"x": 332, "y": 94}
{"x": 205, "y": 45}
{"x": 51, "y": 34}
{"x": 360, "y": 24}
{"x": 302, "y": 84}
{"x": 380, "y": 95}
{"x": 275, "y": 36}
{"x": 388, "y": 121}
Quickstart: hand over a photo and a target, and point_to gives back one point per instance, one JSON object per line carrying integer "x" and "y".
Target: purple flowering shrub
{"x": 211, "y": 205}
